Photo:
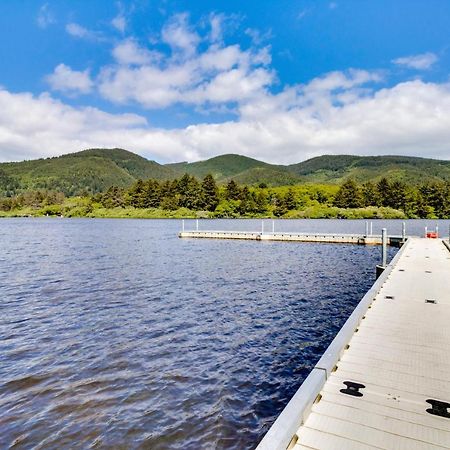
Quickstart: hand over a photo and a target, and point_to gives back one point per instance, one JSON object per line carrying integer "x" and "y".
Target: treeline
{"x": 427, "y": 200}
{"x": 190, "y": 196}
{"x": 188, "y": 192}
{"x": 32, "y": 199}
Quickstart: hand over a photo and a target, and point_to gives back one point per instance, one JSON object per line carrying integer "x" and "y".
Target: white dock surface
{"x": 401, "y": 354}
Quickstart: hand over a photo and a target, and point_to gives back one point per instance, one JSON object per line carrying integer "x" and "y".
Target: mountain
{"x": 92, "y": 170}
{"x": 220, "y": 167}
{"x": 331, "y": 169}
{"x": 95, "y": 170}
{"x": 337, "y": 168}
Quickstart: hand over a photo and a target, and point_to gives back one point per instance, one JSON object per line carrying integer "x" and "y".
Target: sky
{"x": 180, "y": 80}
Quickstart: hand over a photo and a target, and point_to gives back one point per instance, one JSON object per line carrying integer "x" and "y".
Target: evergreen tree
{"x": 348, "y": 196}
{"x": 261, "y": 202}
{"x": 397, "y": 196}
{"x": 370, "y": 195}
{"x": 152, "y": 194}
{"x": 232, "y": 191}
{"x": 190, "y": 193}
{"x": 210, "y": 195}
{"x": 289, "y": 200}
{"x": 136, "y": 194}
{"x": 384, "y": 192}
{"x": 280, "y": 207}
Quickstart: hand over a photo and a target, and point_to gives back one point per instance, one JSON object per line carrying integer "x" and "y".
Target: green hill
{"x": 95, "y": 170}
{"x": 92, "y": 171}
{"x": 220, "y": 167}
{"x": 337, "y": 168}
{"x": 332, "y": 169}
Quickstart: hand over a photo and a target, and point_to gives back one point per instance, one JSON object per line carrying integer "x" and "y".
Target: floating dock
{"x": 294, "y": 237}
{"x": 384, "y": 381}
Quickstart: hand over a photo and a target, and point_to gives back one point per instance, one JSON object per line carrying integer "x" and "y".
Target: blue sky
{"x": 176, "y": 80}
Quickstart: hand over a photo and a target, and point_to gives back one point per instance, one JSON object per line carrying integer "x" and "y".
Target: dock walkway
{"x": 341, "y": 238}
{"x": 384, "y": 382}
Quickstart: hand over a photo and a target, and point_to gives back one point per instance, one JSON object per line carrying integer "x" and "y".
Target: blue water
{"x": 117, "y": 334}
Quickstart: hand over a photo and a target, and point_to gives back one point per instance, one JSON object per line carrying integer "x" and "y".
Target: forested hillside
{"x": 88, "y": 171}
{"x": 95, "y": 170}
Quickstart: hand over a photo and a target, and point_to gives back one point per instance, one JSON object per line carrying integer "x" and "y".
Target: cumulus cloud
{"x": 180, "y": 36}
{"x": 66, "y": 80}
{"x": 217, "y": 75}
{"x": 420, "y": 62}
{"x": 45, "y": 16}
{"x": 284, "y": 128}
{"x": 129, "y": 52}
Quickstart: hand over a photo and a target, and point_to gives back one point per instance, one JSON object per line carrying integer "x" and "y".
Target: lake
{"x": 118, "y": 334}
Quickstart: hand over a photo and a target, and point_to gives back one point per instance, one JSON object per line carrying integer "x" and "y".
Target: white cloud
{"x": 119, "y": 22}
{"x": 45, "y": 17}
{"x": 78, "y": 31}
{"x": 129, "y": 52}
{"x": 74, "y": 29}
{"x": 178, "y": 34}
{"x": 66, "y": 80}
{"x": 217, "y": 75}
{"x": 411, "y": 118}
{"x": 420, "y": 62}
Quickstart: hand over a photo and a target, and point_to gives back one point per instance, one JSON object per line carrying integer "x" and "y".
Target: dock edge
{"x": 283, "y": 430}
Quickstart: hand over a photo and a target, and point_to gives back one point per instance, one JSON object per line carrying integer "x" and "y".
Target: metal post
{"x": 437, "y": 231}
{"x": 196, "y": 224}
{"x": 367, "y": 228}
{"x": 384, "y": 247}
{"x": 371, "y": 228}
{"x": 262, "y": 226}
{"x": 426, "y": 231}
{"x": 182, "y": 225}
{"x": 273, "y": 226}
{"x": 403, "y": 231}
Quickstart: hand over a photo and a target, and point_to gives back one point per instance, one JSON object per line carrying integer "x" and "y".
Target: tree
{"x": 397, "y": 198}
{"x": 384, "y": 191}
{"x": 136, "y": 194}
{"x": 280, "y": 207}
{"x": 190, "y": 192}
{"x": 232, "y": 191}
{"x": 289, "y": 200}
{"x": 152, "y": 194}
{"x": 210, "y": 193}
{"x": 370, "y": 195}
{"x": 348, "y": 196}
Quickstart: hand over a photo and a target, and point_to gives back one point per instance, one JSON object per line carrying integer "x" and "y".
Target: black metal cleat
{"x": 439, "y": 408}
{"x": 353, "y": 389}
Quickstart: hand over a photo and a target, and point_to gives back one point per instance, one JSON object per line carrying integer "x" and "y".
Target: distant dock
{"x": 384, "y": 381}
{"x": 340, "y": 238}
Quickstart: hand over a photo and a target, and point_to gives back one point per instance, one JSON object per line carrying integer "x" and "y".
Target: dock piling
{"x": 383, "y": 247}
{"x": 367, "y": 228}
{"x": 371, "y": 228}
{"x": 196, "y": 224}
{"x": 273, "y": 226}
{"x": 403, "y": 231}
{"x": 182, "y": 225}
{"x": 426, "y": 231}
{"x": 262, "y": 226}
